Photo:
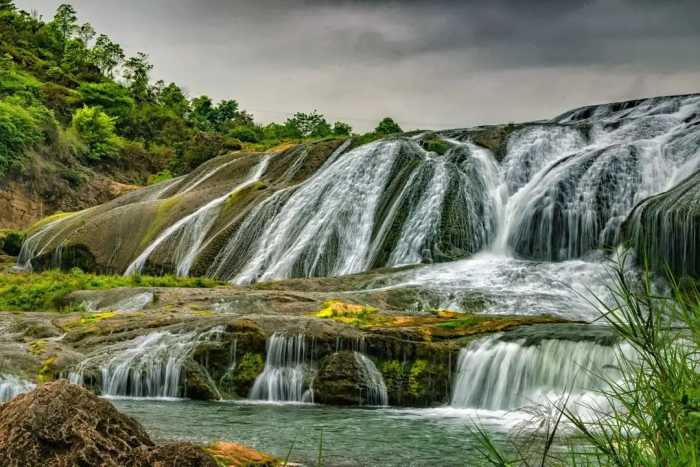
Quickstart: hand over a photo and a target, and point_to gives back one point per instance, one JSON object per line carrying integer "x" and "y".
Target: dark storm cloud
{"x": 429, "y": 63}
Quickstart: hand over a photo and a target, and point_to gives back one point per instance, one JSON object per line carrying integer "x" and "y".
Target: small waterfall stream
{"x": 12, "y": 386}
{"x": 148, "y": 366}
{"x": 283, "y": 378}
{"x": 373, "y": 380}
{"x": 191, "y": 231}
{"x": 500, "y": 375}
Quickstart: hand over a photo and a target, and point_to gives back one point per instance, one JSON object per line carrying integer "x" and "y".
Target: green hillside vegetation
{"x": 71, "y": 94}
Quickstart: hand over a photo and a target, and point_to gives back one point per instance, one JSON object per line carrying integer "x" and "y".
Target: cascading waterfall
{"x": 284, "y": 375}
{"x": 373, "y": 380}
{"x": 191, "y": 231}
{"x": 571, "y": 187}
{"x": 148, "y": 366}
{"x": 384, "y": 203}
{"x": 499, "y": 375}
{"x": 12, "y": 386}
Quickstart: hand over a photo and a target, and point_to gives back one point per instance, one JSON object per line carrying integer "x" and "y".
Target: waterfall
{"x": 191, "y": 231}
{"x": 498, "y": 375}
{"x": 12, "y": 386}
{"x": 373, "y": 380}
{"x": 40, "y": 241}
{"x": 572, "y": 182}
{"x": 385, "y": 203}
{"x": 148, "y": 366}
{"x": 283, "y": 378}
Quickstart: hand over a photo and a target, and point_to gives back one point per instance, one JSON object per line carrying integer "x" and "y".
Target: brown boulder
{"x": 63, "y": 425}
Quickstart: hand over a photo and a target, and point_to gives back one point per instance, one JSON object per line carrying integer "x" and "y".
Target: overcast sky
{"x": 429, "y": 64}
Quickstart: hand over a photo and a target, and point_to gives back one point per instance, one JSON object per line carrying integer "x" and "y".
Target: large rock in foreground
{"x": 63, "y": 425}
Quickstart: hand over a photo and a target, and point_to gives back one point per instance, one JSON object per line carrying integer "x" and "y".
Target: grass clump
{"x": 47, "y": 291}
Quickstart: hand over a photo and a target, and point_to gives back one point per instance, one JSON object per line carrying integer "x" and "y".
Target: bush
{"x": 204, "y": 146}
{"x": 244, "y": 134}
{"x": 388, "y": 127}
{"x": 11, "y": 241}
{"x": 109, "y": 97}
{"x": 20, "y": 128}
{"x": 97, "y": 130}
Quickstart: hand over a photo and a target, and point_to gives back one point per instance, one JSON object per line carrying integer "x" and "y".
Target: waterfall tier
{"x": 148, "y": 366}
{"x": 499, "y": 375}
{"x": 284, "y": 377}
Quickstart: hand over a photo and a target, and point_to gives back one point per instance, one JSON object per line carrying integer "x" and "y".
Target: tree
{"x": 306, "y": 125}
{"x": 137, "y": 71}
{"x": 109, "y": 97}
{"x": 86, "y": 33}
{"x": 388, "y": 127}
{"x": 75, "y": 56}
{"x": 224, "y": 114}
{"x": 7, "y": 5}
{"x": 64, "y": 21}
{"x": 97, "y": 130}
{"x": 172, "y": 97}
{"x": 341, "y": 129}
{"x": 106, "y": 55}
{"x": 202, "y": 112}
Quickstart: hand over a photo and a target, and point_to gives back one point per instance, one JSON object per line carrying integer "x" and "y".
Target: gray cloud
{"x": 428, "y": 63}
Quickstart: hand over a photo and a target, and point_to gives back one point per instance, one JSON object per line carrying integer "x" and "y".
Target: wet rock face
{"x": 339, "y": 381}
{"x": 665, "y": 229}
{"x": 63, "y": 425}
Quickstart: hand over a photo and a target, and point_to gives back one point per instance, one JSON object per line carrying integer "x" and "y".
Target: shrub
{"x": 11, "y": 241}
{"x": 244, "y": 134}
{"x": 204, "y": 146}
{"x": 20, "y": 128}
{"x": 388, "y": 127}
{"x": 109, "y": 97}
{"x": 97, "y": 130}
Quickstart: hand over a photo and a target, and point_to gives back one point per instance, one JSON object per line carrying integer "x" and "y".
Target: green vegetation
{"x": 11, "y": 241}
{"x": 654, "y": 417}
{"x": 47, "y": 291}
{"x": 250, "y": 366}
{"x": 436, "y": 144}
{"x": 72, "y": 94}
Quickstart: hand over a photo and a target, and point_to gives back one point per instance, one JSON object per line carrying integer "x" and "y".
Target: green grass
{"x": 47, "y": 291}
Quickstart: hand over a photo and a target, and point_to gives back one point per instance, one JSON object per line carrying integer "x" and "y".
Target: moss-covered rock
{"x": 340, "y": 381}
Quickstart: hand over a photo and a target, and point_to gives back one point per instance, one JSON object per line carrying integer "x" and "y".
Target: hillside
{"x": 81, "y": 123}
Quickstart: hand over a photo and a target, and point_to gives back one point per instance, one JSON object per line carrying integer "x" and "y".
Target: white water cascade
{"x": 191, "y": 231}
{"x": 40, "y": 241}
{"x": 284, "y": 375}
{"x": 498, "y": 375}
{"x": 373, "y": 380}
{"x": 380, "y": 204}
{"x": 148, "y": 366}
{"x": 12, "y": 386}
